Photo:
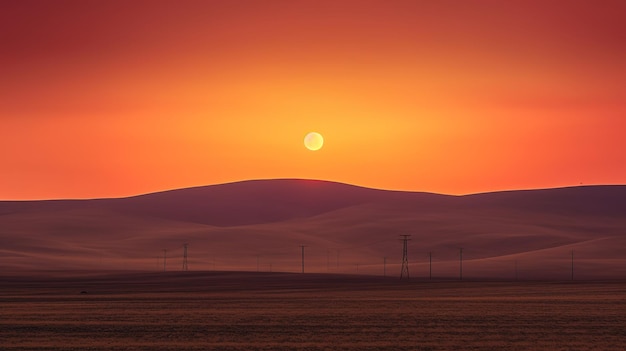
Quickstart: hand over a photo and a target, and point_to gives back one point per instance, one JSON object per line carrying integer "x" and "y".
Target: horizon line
{"x": 311, "y": 179}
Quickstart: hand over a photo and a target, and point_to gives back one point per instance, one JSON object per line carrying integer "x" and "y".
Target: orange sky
{"x": 116, "y": 98}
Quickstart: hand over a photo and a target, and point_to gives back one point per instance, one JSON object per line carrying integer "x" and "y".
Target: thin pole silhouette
{"x": 185, "y": 266}
{"x": 572, "y": 264}
{"x": 302, "y": 246}
{"x": 460, "y": 263}
{"x": 405, "y": 260}
{"x": 327, "y": 260}
{"x": 384, "y": 266}
{"x": 430, "y": 265}
{"x": 164, "y": 259}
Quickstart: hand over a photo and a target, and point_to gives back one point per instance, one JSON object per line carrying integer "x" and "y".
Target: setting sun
{"x": 314, "y": 141}
{"x": 217, "y": 174}
{"x": 484, "y": 95}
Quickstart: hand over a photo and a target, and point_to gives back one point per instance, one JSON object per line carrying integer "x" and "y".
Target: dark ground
{"x": 274, "y": 311}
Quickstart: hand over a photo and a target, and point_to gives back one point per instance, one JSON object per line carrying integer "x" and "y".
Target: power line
{"x": 371, "y": 243}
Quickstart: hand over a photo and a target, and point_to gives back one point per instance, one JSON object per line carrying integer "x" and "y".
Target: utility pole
{"x": 405, "y": 259}
{"x": 430, "y": 265}
{"x": 164, "y": 259}
{"x": 327, "y": 260}
{"x": 302, "y": 246}
{"x": 461, "y": 264}
{"x": 572, "y": 264}
{"x": 384, "y": 266}
{"x": 185, "y": 266}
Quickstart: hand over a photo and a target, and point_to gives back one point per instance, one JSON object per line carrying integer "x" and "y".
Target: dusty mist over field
{"x": 260, "y": 225}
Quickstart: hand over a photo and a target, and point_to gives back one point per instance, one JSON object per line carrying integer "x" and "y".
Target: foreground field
{"x": 256, "y": 311}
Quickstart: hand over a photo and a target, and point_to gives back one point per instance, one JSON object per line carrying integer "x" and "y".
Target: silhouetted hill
{"x": 603, "y": 200}
{"x": 256, "y": 201}
{"x": 233, "y": 204}
{"x": 261, "y": 224}
{"x": 266, "y": 201}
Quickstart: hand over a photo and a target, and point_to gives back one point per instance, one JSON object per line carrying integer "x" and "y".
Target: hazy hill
{"x": 232, "y": 204}
{"x": 261, "y": 224}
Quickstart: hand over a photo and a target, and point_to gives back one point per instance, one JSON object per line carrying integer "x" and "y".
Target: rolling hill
{"x": 260, "y": 225}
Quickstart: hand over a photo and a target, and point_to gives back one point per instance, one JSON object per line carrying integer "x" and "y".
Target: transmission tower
{"x": 405, "y": 259}
{"x": 185, "y": 267}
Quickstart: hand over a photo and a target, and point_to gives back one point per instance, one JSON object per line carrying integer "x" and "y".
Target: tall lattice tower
{"x": 405, "y": 259}
{"x": 185, "y": 266}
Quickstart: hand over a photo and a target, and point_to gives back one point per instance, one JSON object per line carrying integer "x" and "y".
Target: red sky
{"x": 116, "y": 98}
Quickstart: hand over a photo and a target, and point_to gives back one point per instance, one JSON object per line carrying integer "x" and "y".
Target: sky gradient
{"x": 117, "y": 98}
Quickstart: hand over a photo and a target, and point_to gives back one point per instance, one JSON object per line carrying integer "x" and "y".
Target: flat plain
{"x": 287, "y": 311}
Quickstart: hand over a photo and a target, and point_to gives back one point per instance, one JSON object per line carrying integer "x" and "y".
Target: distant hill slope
{"x": 265, "y": 201}
{"x": 255, "y": 202}
{"x": 605, "y": 200}
{"x": 260, "y": 225}
{"x": 233, "y": 204}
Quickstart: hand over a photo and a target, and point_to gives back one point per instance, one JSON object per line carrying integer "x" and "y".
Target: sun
{"x": 314, "y": 141}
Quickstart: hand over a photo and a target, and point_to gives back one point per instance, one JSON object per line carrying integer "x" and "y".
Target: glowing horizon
{"x": 113, "y": 98}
